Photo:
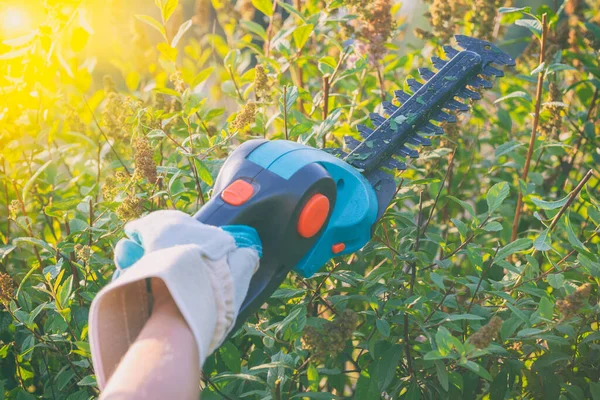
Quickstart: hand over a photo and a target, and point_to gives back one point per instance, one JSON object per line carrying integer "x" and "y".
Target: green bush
{"x": 454, "y": 297}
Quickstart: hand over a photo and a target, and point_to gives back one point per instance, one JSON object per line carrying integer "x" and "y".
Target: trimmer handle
{"x": 288, "y": 214}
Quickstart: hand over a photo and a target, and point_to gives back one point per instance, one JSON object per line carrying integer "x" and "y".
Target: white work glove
{"x": 206, "y": 269}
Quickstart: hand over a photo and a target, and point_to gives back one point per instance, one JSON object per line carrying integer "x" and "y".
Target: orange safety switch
{"x": 237, "y": 193}
{"x": 313, "y": 215}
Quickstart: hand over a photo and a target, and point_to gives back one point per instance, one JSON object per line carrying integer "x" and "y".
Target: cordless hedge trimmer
{"x": 309, "y": 205}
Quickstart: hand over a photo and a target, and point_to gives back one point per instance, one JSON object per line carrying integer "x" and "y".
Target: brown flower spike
{"x": 145, "y": 167}
{"x": 487, "y": 333}
{"x": 575, "y": 301}
{"x": 7, "y": 288}
{"x": 331, "y": 340}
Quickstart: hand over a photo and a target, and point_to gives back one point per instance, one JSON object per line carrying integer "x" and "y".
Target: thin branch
{"x": 536, "y": 120}
{"x": 572, "y": 197}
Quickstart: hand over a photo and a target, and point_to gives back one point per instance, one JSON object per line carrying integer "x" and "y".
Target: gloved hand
{"x": 206, "y": 270}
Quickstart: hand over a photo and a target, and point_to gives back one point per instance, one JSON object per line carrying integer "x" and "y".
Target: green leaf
{"x": 231, "y": 357}
{"x": 34, "y": 241}
{"x": 550, "y": 205}
{"x": 557, "y": 281}
{"x": 478, "y": 369}
{"x": 386, "y": 368}
{"x": 444, "y": 341}
{"x": 89, "y": 380}
{"x": 546, "y": 308}
{"x": 202, "y": 76}
{"x": 246, "y": 377}
{"x": 438, "y": 280}
{"x": 32, "y": 179}
{"x": 312, "y": 374}
{"x": 514, "y": 247}
{"x": 183, "y": 28}
{"x": 383, "y": 327}
{"x": 529, "y": 332}
{"x": 464, "y": 204}
{"x": 6, "y": 250}
{"x": 508, "y": 10}
{"x": 506, "y": 148}
{"x": 492, "y": 226}
{"x": 532, "y": 24}
{"x": 301, "y": 35}
{"x": 255, "y": 28}
{"x": 543, "y": 242}
{"x": 434, "y": 355}
{"x": 595, "y": 390}
{"x": 204, "y": 173}
{"x": 442, "y": 374}
{"x": 515, "y": 95}
{"x": 264, "y": 6}
{"x": 496, "y": 195}
{"x": 167, "y": 7}
{"x": 572, "y": 237}
{"x": 64, "y": 293}
{"x": 153, "y": 23}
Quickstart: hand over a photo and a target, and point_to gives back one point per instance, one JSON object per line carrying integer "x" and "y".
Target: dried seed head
{"x": 245, "y": 117}
{"x": 130, "y": 208}
{"x": 109, "y": 190}
{"x": 246, "y": 9}
{"x": 262, "y": 86}
{"x": 331, "y": 339}
{"x": 145, "y": 167}
{"x": 575, "y": 301}
{"x": 7, "y": 289}
{"x": 487, "y": 333}
{"x": 14, "y": 208}
{"x": 484, "y": 17}
{"x": 83, "y": 252}
{"x": 373, "y": 27}
{"x": 121, "y": 176}
{"x": 552, "y": 126}
{"x": 177, "y": 80}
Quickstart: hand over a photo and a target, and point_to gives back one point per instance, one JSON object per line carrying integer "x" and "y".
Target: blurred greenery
{"x": 446, "y": 301}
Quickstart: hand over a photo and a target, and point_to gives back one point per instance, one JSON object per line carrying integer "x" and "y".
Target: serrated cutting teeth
{"x": 426, "y": 73}
{"x": 468, "y": 94}
{"x": 478, "y": 82}
{"x": 364, "y": 130}
{"x": 441, "y": 116}
{"x": 419, "y": 140}
{"x": 401, "y": 96}
{"x": 394, "y": 164}
{"x": 389, "y": 108}
{"x": 438, "y": 99}
{"x": 438, "y": 62}
{"x": 351, "y": 143}
{"x": 490, "y": 71}
{"x": 376, "y": 119}
{"x": 456, "y": 105}
{"x": 431, "y": 129}
{"x": 413, "y": 84}
{"x": 407, "y": 152}
{"x": 450, "y": 51}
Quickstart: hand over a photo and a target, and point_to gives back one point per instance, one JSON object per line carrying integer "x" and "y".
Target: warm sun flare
{"x": 14, "y": 20}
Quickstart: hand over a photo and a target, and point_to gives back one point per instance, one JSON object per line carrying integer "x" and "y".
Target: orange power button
{"x": 237, "y": 193}
{"x": 313, "y": 215}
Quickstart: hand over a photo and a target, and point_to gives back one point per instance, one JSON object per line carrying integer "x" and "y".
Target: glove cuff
{"x": 203, "y": 290}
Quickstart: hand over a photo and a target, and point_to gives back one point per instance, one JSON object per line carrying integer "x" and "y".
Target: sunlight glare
{"x": 14, "y": 20}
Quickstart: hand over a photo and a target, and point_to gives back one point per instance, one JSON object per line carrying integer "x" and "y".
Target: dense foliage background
{"x": 482, "y": 278}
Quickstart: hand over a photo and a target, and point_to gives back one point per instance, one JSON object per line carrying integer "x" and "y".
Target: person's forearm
{"x": 162, "y": 363}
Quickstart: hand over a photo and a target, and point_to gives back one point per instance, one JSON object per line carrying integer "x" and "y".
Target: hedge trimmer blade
{"x": 407, "y": 125}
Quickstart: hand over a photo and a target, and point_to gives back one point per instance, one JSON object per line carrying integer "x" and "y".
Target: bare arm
{"x": 162, "y": 363}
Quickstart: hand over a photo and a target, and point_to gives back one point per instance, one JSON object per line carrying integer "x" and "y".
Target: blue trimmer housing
{"x": 279, "y": 181}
